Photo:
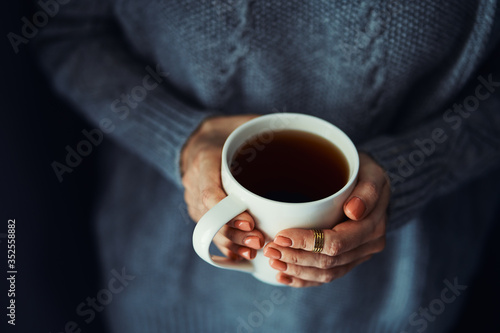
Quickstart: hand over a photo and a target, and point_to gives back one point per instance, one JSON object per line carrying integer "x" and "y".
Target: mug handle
{"x": 209, "y": 225}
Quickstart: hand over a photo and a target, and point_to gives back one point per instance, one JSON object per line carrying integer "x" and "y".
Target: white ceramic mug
{"x": 272, "y": 216}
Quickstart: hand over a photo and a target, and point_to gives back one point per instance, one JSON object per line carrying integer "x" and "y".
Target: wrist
{"x": 192, "y": 141}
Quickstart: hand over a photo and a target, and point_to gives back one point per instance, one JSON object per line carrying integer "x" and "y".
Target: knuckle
{"x": 205, "y": 198}
{"x": 371, "y": 189}
{"x": 208, "y": 197}
{"x": 327, "y": 277}
{"x": 292, "y": 258}
{"x": 295, "y": 270}
{"x": 335, "y": 248}
{"x": 302, "y": 242}
{"x": 326, "y": 261}
{"x": 198, "y": 158}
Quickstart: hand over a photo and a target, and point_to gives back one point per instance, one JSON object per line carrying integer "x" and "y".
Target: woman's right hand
{"x": 201, "y": 177}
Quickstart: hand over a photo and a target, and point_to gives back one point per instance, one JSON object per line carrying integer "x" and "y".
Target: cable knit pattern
{"x": 386, "y": 72}
{"x": 380, "y": 70}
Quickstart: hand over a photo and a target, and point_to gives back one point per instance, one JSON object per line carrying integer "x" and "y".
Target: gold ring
{"x": 319, "y": 240}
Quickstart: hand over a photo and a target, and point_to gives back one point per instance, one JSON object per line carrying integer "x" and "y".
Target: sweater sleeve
{"x": 90, "y": 64}
{"x": 460, "y": 143}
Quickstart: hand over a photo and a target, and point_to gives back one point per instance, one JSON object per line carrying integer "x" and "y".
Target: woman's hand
{"x": 201, "y": 177}
{"x": 347, "y": 245}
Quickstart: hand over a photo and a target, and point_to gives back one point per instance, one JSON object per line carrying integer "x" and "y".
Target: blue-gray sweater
{"x": 413, "y": 83}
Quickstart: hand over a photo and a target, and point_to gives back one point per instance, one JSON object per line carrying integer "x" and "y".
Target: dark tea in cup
{"x": 290, "y": 166}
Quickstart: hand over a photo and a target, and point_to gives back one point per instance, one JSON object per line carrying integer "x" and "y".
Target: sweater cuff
{"x": 415, "y": 170}
{"x": 159, "y": 131}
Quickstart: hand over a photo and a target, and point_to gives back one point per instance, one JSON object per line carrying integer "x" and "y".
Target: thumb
{"x": 367, "y": 192}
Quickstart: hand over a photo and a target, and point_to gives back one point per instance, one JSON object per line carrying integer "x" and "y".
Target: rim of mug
{"x": 352, "y": 177}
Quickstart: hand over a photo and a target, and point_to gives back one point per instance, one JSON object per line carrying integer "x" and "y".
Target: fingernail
{"x": 355, "y": 207}
{"x": 246, "y": 253}
{"x": 243, "y": 225}
{"x": 283, "y": 241}
{"x": 252, "y": 241}
{"x": 285, "y": 279}
{"x": 272, "y": 253}
{"x": 279, "y": 265}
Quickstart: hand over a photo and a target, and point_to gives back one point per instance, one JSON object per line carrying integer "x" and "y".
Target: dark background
{"x": 55, "y": 251}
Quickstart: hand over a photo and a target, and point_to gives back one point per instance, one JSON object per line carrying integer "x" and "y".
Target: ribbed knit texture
{"x": 386, "y": 72}
{"x": 146, "y": 230}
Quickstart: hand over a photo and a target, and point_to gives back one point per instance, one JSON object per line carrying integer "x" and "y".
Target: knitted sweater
{"x": 402, "y": 79}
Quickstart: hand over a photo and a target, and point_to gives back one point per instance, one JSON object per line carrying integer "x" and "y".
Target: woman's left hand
{"x": 346, "y": 245}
